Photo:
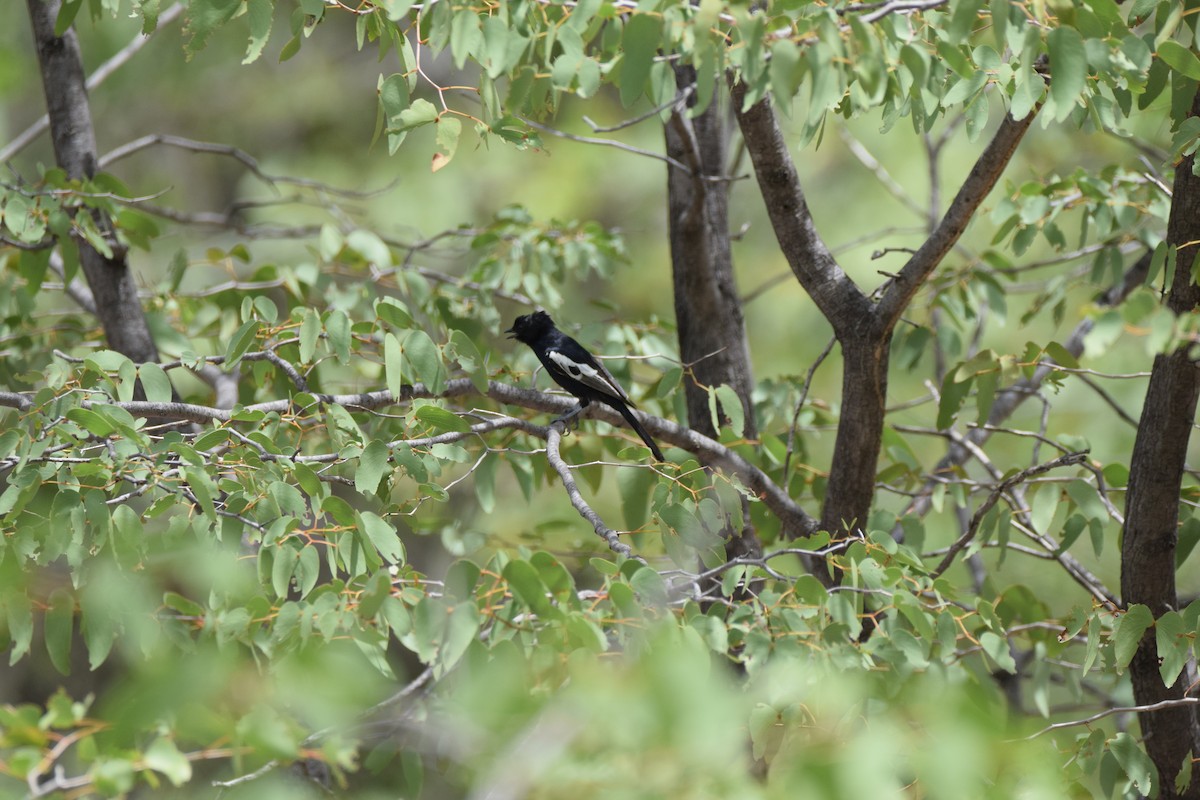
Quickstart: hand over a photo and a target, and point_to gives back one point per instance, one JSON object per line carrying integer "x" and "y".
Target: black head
{"x": 529, "y": 327}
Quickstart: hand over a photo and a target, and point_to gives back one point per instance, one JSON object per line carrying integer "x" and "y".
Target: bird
{"x": 575, "y": 369}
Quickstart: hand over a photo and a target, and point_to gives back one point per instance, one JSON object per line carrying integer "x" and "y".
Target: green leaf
{"x": 155, "y": 383}
{"x": 426, "y": 359}
{"x": 731, "y": 407}
{"x": 687, "y": 526}
{"x": 92, "y": 422}
{"x": 1068, "y": 70}
{"x": 1180, "y": 59}
{"x": 1174, "y": 642}
{"x": 466, "y": 35}
{"x": 98, "y": 625}
{"x": 442, "y": 419}
{"x": 421, "y": 112}
{"x": 163, "y": 756}
{"x": 394, "y": 99}
{"x": 1133, "y": 760}
{"x": 1128, "y": 631}
{"x": 60, "y": 620}
{"x": 635, "y": 486}
{"x": 66, "y": 16}
{"x": 639, "y": 46}
{"x": 527, "y": 586}
{"x": 393, "y": 361}
{"x": 241, "y": 342}
{"x": 373, "y": 464}
{"x": 461, "y": 629}
{"x": 310, "y": 332}
{"x": 953, "y": 396}
{"x": 394, "y": 313}
{"x": 448, "y": 130}
{"x": 996, "y": 647}
{"x": 383, "y": 536}
{"x": 261, "y": 14}
{"x": 337, "y": 326}
{"x": 205, "y": 16}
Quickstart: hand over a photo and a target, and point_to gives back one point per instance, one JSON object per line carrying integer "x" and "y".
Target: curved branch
{"x": 812, "y": 262}
{"x": 977, "y": 518}
{"x": 553, "y": 439}
{"x": 971, "y": 194}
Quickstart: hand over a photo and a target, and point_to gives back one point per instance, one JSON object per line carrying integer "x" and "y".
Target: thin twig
{"x": 1108, "y": 712}
{"x": 808, "y": 378}
{"x": 611, "y": 537}
{"x": 977, "y": 518}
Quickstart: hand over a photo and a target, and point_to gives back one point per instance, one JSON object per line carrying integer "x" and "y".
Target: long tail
{"x": 632, "y": 419}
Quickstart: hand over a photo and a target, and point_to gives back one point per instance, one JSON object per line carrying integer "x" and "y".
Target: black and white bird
{"x": 575, "y": 369}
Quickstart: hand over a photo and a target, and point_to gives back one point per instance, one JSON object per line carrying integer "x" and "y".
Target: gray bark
{"x": 110, "y": 279}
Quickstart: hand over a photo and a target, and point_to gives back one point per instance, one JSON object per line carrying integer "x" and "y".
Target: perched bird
{"x": 576, "y": 370}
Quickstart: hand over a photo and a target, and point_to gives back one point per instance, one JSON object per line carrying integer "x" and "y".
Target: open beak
{"x": 511, "y": 334}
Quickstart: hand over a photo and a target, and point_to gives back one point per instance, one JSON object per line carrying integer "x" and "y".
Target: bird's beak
{"x": 511, "y": 334}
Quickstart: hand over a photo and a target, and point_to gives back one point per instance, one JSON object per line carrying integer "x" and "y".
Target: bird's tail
{"x": 634, "y": 423}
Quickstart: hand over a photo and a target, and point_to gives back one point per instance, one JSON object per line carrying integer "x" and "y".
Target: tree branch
{"x": 611, "y": 537}
{"x": 794, "y": 519}
{"x": 118, "y": 60}
{"x": 971, "y": 194}
{"x": 812, "y": 262}
{"x": 109, "y": 277}
{"x": 986, "y": 505}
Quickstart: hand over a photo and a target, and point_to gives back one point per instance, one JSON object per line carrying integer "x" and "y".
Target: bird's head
{"x": 529, "y": 327}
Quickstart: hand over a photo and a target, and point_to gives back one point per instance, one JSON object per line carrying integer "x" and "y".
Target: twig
{"x": 553, "y": 439}
{"x": 808, "y": 378}
{"x": 679, "y": 99}
{"x": 1159, "y": 706}
{"x": 622, "y": 146}
{"x": 977, "y": 518}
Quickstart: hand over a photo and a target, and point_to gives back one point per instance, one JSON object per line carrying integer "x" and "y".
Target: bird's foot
{"x": 570, "y": 417}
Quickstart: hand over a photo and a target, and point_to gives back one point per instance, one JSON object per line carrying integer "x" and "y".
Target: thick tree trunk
{"x": 851, "y": 487}
{"x": 1152, "y": 502}
{"x": 110, "y": 279}
{"x": 708, "y": 310}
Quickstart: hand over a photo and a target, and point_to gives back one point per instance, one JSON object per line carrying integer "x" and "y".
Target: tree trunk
{"x": 708, "y": 309}
{"x": 851, "y": 487}
{"x": 110, "y": 279}
{"x": 1152, "y": 501}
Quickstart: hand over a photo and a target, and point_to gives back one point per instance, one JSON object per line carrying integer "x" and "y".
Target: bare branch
{"x": 1108, "y": 712}
{"x": 1005, "y": 485}
{"x": 553, "y": 439}
{"x": 811, "y": 260}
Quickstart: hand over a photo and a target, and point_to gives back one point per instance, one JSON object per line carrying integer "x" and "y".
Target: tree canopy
{"x": 905, "y": 290}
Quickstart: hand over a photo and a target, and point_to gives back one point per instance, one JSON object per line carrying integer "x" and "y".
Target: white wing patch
{"x": 599, "y": 379}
